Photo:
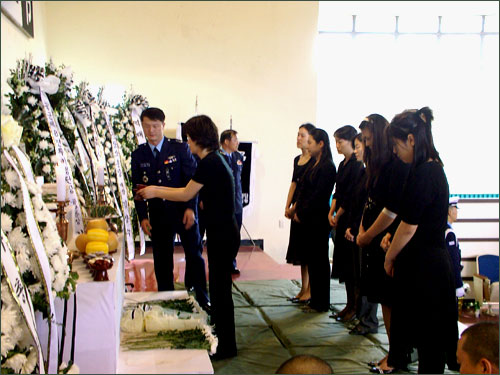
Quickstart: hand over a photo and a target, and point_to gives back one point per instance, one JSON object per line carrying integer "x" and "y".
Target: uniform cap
{"x": 453, "y": 201}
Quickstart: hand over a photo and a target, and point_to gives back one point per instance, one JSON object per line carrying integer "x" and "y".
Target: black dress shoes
{"x": 235, "y": 271}
{"x": 223, "y": 355}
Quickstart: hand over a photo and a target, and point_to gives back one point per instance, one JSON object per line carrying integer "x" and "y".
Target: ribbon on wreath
{"x": 21, "y": 296}
{"x": 58, "y": 144}
{"x": 43, "y": 262}
{"x": 122, "y": 189}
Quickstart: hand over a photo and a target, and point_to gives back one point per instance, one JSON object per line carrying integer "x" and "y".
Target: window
{"x": 371, "y": 68}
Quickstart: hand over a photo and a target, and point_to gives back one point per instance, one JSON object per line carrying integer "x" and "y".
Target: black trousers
{"x": 162, "y": 237}
{"x": 202, "y": 227}
{"x": 221, "y": 244}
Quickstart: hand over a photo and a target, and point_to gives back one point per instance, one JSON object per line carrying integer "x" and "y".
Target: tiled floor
{"x": 254, "y": 264}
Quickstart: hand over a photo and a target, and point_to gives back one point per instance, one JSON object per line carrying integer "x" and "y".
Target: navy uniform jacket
{"x": 455, "y": 254}
{"x": 174, "y": 167}
{"x": 236, "y": 165}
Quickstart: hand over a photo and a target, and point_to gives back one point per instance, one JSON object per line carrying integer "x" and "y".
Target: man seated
{"x": 477, "y": 350}
{"x": 305, "y": 364}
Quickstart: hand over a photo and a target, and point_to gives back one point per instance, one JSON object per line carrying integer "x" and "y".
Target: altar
{"x": 97, "y": 341}
{"x": 98, "y": 311}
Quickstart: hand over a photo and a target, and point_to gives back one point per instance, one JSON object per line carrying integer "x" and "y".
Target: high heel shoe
{"x": 378, "y": 370}
{"x": 350, "y": 315}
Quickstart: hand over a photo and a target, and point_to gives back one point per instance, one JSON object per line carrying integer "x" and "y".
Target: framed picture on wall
{"x": 21, "y": 14}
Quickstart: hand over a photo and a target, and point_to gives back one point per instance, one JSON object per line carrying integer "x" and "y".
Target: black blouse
{"x": 425, "y": 203}
{"x": 386, "y": 191}
{"x": 298, "y": 173}
{"x": 315, "y": 191}
{"x": 347, "y": 174}
{"x": 217, "y": 192}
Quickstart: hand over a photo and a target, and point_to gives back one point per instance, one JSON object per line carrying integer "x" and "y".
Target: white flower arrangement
{"x": 16, "y": 355}
{"x": 141, "y": 321}
{"x": 11, "y": 132}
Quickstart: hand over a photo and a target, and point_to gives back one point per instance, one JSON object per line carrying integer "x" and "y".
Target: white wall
{"x": 16, "y": 45}
{"x": 249, "y": 60}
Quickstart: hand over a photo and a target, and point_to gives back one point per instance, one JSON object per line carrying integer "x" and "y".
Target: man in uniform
{"x": 167, "y": 162}
{"x": 229, "y": 148}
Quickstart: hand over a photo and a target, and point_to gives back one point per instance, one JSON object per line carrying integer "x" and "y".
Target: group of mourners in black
{"x": 389, "y": 213}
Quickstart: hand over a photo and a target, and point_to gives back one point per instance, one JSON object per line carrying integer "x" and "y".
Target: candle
{"x": 100, "y": 173}
{"x": 61, "y": 183}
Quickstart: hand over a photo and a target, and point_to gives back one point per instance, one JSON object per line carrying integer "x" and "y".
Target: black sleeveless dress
{"x": 295, "y": 253}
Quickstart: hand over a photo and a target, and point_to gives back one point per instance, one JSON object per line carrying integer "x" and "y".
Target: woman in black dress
{"x": 366, "y": 312}
{"x": 295, "y": 253}
{"x": 417, "y": 258}
{"x": 385, "y": 178}
{"x": 311, "y": 209}
{"x": 214, "y": 181}
{"x": 342, "y": 266}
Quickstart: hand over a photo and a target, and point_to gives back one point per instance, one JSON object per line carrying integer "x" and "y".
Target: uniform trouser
{"x": 162, "y": 237}
{"x": 202, "y": 226}
{"x": 318, "y": 266}
{"x": 220, "y": 250}
{"x": 239, "y": 221}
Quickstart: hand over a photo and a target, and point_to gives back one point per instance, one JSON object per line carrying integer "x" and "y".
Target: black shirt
{"x": 386, "y": 191}
{"x": 217, "y": 192}
{"x": 425, "y": 203}
{"x": 298, "y": 173}
{"x": 347, "y": 174}
{"x": 313, "y": 199}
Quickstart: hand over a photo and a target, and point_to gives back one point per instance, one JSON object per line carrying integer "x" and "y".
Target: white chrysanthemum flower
{"x": 12, "y": 178}
{"x": 6, "y": 344}
{"x": 19, "y": 199}
{"x": 44, "y": 134}
{"x": 108, "y": 144}
{"x": 9, "y": 316}
{"x": 45, "y": 159}
{"x": 43, "y": 144}
{"x": 56, "y": 263}
{"x": 23, "y": 89}
{"x": 23, "y": 260}
{"x": 21, "y": 220}
{"x": 59, "y": 282}
{"x": 16, "y": 362}
{"x": 17, "y": 237}
{"x": 33, "y": 288}
{"x": 46, "y": 169}
{"x": 11, "y": 131}
{"x": 54, "y": 159}
{"x": 67, "y": 73}
{"x": 113, "y": 180}
{"x": 9, "y": 198}
{"x": 32, "y": 100}
{"x": 31, "y": 362}
{"x": 6, "y": 223}
{"x": 37, "y": 113}
{"x": 34, "y": 188}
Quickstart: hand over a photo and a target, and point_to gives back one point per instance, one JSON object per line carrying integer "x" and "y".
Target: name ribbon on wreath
{"x": 21, "y": 296}
{"x": 43, "y": 262}
{"x": 136, "y": 120}
{"x": 56, "y": 138}
{"x": 122, "y": 188}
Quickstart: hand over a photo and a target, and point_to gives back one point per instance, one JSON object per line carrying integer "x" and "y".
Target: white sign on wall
{"x": 21, "y": 14}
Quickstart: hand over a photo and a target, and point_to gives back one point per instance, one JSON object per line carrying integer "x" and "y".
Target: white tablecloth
{"x": 162, "y": 361}
{"x": 99, "y": 306}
